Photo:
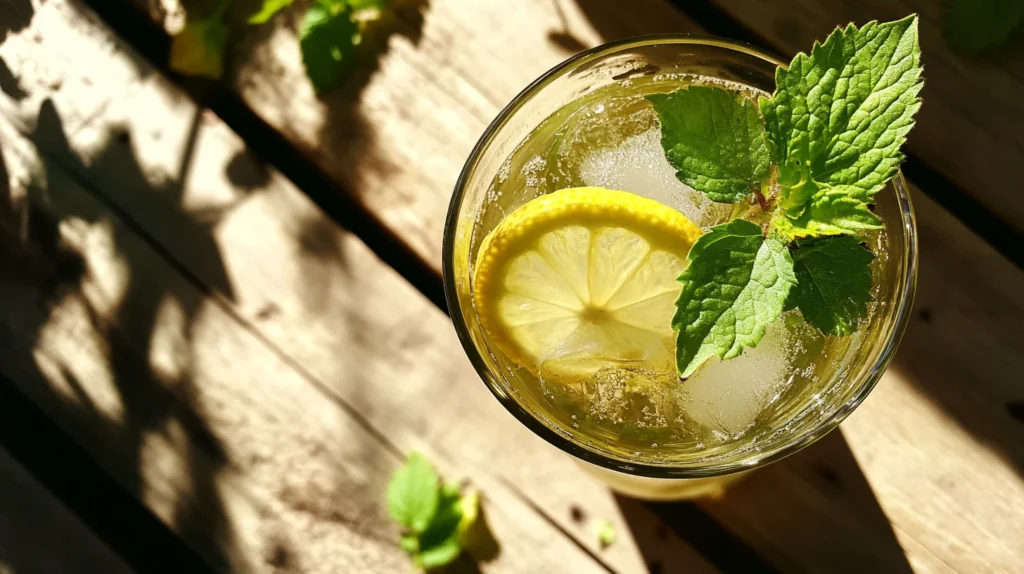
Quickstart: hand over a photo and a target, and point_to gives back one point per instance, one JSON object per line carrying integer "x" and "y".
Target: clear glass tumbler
{"x": 620, "y": 65}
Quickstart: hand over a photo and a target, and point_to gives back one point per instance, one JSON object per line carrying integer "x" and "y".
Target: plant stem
{"x": 761, "y": 200}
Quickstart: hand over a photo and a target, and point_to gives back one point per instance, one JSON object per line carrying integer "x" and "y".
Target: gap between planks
{"x": 855, "y": 427}
{"x": 137, "y": 203}
{"x": 64, "y": 191}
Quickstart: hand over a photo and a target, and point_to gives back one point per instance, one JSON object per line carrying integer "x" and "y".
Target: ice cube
{"x": 727, "y": 396}
{"x": 638, "y": 165}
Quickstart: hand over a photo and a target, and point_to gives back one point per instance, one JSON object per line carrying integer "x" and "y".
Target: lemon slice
{"x": 582, "y": 277}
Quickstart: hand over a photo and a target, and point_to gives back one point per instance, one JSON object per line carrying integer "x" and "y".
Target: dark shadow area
{"x": 45, "y": 272}
{"x": 712, "y": 541}
{"x": 614, "y": 21}
{"x": 247, "y": 171}
{"x": 813, "y": 506}
{"x": 15, "y": 15}
{"x": 9, "y": 84}
{"x": 563, "y": 37}
{"x": 984, "y": 396}
{"x": 71, "y": 474}
{"x": 480, "y": 547}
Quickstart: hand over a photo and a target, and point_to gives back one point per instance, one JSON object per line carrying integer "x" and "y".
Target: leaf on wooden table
{"x": 328, "y": 38}
{"x": 198, "y": 49}
{"x": 413, "y": 494}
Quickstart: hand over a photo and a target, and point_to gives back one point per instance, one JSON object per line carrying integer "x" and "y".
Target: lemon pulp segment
{"x": 583, "y": 276}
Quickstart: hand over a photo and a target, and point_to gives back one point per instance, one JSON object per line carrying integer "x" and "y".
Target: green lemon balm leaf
{"x": 833, "y": 282}
{"x": 198, "y": 49}
{"x": 734, "y": 287}
{"x": 269, "y": 9}
{"x": 413, "y": 494}
{"x": 441, "y": 542}
{"x": 328, "y": 38}
{"x": 715, "y": 139}
{"x": 833, "y": 210}
{"x": 440, "y": 554}
{"x": 836, "y": 123}
{"x": 410, "y": 544}
{"x": 975, "y": 26}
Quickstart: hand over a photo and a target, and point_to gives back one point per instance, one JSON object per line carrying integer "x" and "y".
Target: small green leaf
{"x": 410, "y": 544}
{"x": 413, "y": 494}
{"x": 734, "y": 287}
{"x": 715, "y": 139}
{"x": 605, "y": 533}
{"x": 833, "y": 283}
{"x": 975, "y": 26}
{"x": 440, "y": 554}
{"x": 440, "y": 542}
{"x": 828, "y": 211}
{"x": 328, "y": 38}
{"x": 268, "y": 10}
{"x": 198, "y": 49}
{"x": 836, "y": 123}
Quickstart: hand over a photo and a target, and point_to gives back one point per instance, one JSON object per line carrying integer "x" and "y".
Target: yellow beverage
{"x": 561, "y": 255}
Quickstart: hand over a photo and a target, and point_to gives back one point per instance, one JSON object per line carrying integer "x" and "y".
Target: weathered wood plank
{"x": 38, "y": 534}
{"x": 182, "y": 199}
{"x": 971, "y": 127}
{"x": 296, "y": 277}
{"x": 772, "y": 510}
{"x": 413, "y": 123}
{"x": 228, "y": 441}
{"x": 398, "y": 132}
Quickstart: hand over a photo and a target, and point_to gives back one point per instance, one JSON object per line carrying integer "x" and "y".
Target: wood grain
{"x": 929, "y": 467}
{"x": 228, "y": 441}
{"x": 432, "y": 78}
{"x": 254, "y": 247}
{"x": 399, "y": 151}
{"x": 971, "y": 127}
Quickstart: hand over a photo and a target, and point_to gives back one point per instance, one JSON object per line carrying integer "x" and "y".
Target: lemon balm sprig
{"x": 827, "y": 140}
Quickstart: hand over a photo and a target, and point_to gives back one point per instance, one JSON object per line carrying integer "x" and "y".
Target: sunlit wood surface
{"x": 253, "y": 373}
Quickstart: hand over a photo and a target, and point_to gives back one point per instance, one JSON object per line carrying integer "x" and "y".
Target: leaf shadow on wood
{"x": 16, "y": 15}
{"x": 54, "y": 275}
{"x": 563, "y": 37}
{"x": 614, "y": 21}
{"x": 247, "y": 171}
{"x": 9, "y": 83}
{"x": 344, "y": 130}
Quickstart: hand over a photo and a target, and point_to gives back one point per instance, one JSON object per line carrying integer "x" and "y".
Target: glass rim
{"x": 905, "y": 290}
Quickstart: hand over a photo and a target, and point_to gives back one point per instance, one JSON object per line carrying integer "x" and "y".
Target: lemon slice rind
{"x": 531, "y": 268}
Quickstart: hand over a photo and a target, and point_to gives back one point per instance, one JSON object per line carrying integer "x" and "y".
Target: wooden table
{"x": 227, "y": 297}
